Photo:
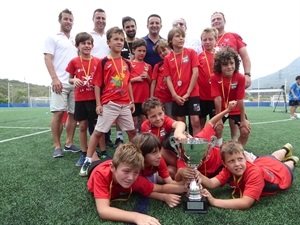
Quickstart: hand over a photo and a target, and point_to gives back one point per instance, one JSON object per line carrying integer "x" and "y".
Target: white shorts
{"x": 115, "y": 112}
{"x": 64, "y": 101}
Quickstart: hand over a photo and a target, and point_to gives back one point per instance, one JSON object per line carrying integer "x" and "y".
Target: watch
{"x": 248, "y": 74}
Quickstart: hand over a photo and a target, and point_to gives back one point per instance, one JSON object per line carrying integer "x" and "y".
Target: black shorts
{"x": 138, "y": 110}
{"x": 236, "y": 118}
{"x": 207, "y": 108}
{"x": 85, "y": 110}
{"x": 190, "y": 107}
{"x": 294, "y": 102}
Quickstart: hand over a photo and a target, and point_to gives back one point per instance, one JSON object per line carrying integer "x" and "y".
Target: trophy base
{"x": 195, "y": 206}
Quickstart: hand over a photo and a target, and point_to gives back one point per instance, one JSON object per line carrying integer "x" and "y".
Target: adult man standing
{"x": 59, "y": 49}
{"x": 154, "y": 25}
{"x": 232, "y": 40}
{"x": 129, "y": 27}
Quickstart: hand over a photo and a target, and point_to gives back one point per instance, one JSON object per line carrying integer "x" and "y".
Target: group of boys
{"x": 104, "y": 94}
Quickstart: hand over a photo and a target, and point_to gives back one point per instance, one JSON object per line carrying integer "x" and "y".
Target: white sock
{"x": 120, "y": 135}
{"x": 88, "y": 159}
{"x": 219, "y": 142}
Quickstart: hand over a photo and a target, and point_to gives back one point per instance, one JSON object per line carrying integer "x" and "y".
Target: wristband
{"x": 248, "y": 74}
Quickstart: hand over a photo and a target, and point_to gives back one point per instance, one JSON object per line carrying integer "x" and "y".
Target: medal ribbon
{"x": 87, "y": 74}
{"x": 178, "y": 72}
{"x": 226, "y": 100}
{"x": 236, "y": 183}
{"x": 118, "y": 199}
{"x": 115, "y": 66}
{"x": 217, "y": 44}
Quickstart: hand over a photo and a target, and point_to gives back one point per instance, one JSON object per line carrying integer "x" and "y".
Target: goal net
{"x": 39, "y": 102}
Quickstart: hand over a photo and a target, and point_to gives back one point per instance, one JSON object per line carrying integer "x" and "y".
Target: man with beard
{"x": 129, "y": 27}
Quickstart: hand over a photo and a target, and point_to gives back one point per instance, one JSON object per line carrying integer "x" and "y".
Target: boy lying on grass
{"x": 115, "y": 179}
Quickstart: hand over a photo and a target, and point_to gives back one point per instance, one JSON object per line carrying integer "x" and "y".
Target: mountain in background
{"x": 277, "y": 79}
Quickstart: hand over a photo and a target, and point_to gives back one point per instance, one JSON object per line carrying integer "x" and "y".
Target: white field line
{"x": 27, "y": 128}
{"x": 28, "y": 135}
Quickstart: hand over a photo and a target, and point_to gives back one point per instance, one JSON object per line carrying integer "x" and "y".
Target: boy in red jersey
{"x": 209, "y": 38}
{"x": 141, "y": 78}
{"x": 181, "y": 70}
{"x": 159, "y": 87}
{"x": 228, "y": 84}
{"x": 265, "y": 176}
{"x": 113, "y": 92}
{"x": 116, "y": 179}
{"x": 82, "y": 70}
{"x": 161, "y": 125}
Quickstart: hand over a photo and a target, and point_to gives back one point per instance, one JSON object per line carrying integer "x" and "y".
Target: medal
{"x": 179, "y": 83}
{"x": 217, "y": 48}
{"x": 226, "y": 115}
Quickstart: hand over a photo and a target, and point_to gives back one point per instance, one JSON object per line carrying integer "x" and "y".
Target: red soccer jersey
{"x": 84, "y": 70}
{"x": 160, "y": 132}
{"x": 162, "y": 170}
{"x": 101, "y": 185}
{"x": 179, "y": 68}
{"x": 206, "y": 61}
{"x": 232, "y": 40}
{"x": 141, "y": 90}
{"x": 263, "y": 172}
{"x": 161, "y": 90}
{"x": 229, "y": 89}
{"x": 113, "y": 79}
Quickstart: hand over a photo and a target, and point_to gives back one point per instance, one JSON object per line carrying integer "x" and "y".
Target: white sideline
{"x": 28, "y": 135}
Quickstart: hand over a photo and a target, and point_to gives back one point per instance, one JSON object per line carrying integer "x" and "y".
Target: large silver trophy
{"x": 191, "y": 151}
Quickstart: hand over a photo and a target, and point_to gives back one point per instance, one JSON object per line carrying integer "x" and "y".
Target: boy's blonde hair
{"x": 212, "y": 30}
{"x": 147, "y": 142}
{"x": 130, "y": 154}
{"x": 161, "y": 44}
{"x": 231, "y": 147}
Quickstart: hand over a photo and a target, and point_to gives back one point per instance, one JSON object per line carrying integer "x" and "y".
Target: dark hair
{"x": 138, "y": 43}
{"x": 151, "y": 103}
{"x": 219, "y": 13}
{"x": 297, "y": 78}
{"x": 147, "y": 142}
{"x": 98, "y": 10}
{"x": 222, "y": 57}
{"x": 126, "y": 19}
{"x": 173, "y": 32}
{"x": 83, "y": 36}
{"x": 64, "y": 11}
{"x": 153, "y": 15}
{"x": 114, "y": 30}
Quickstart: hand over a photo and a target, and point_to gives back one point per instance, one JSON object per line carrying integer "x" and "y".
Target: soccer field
{"x": 38, "y": 189}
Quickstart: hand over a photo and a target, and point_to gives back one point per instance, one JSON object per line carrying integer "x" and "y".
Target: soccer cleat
{"x": 293, "y": 158}
{"x": 84, "y": 169}
{"x": 118, "y": 142}
{"x": 58, "y": 153}
{"x": 81, "y": 160}
{"x": 72, "y": 148}
{"x": 109, "y": 143}
{"x": 289, "y": 150}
